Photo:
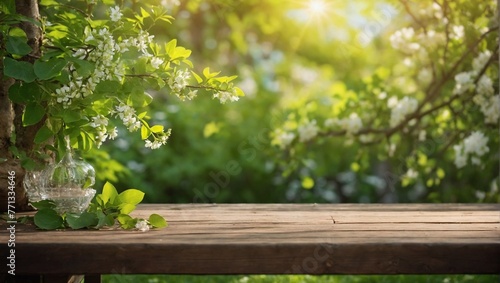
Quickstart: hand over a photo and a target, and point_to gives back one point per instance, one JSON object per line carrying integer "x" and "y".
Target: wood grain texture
{"x": 276, "y": 239}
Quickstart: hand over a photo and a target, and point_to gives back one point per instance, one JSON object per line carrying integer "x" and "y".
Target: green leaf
{"x": 142, "y": 115}
{"x": 307, "y": 183}
{"x": 44, "y": 204}
{"x": 86, "y": 219}
{"x": 170, "y": 47}
{"x": 238, "y": 91}
{"x": 126, "y": 221}
{"x": 19, "y": 70}
{"x": 208, "y": 75}
{"x": 139, "y": 99}
{"x": 49, "y": 3}
{"x": 24, "y": 93}
{"x": 440, "y": 173}
{"x": 144, "y": 13}
{"x": 108, "y": 86}
{"x": 49, "y": 69}
{"x": 145, "y": 132}
{"x": 33, "y": 113}
{"x": 210, "y": 129}
{"x": 17, "y": 45}
{"x": 180, "y": 52}
{"x": 157, "y": 129}
{"x": 206, "y": 72}
{"x": 131, "y": 196}
{"x": 197, "y": 77}
{"x": 70, "y": 116}
{"x": 109, "y": 193}
{"x": 126, "y": 208}
{"x": 157, "y": 221}
{"x": 83, "y": 67}
{"x": 48, "y": 219}
{"x": 43, "y": 134}
{"x": 104, "y": 220}
{"x": 226, "y": 79}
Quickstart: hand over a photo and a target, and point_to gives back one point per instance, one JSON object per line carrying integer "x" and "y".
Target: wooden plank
{"x": 277, "y": 239}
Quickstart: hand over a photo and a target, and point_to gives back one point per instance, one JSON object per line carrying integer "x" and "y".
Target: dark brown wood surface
{"x": 275, "y": 239}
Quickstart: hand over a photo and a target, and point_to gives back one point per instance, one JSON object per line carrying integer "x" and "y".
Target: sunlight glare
{"x": 316, "y": 6}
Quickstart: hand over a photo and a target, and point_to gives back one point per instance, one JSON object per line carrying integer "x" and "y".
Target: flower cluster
{"x": 283, "y": 138}
{"x": 142, "y": 225}
{"x": 128, "y": 117}
{"x": 159, "y": 140}
{"x": 308, "y": 131}
{"x": 474, "y": 146}
{"x": 464, "y": 83}
{"x": 351, "y": 124}
{"x": 104, "y": 52}
{"x": 484, "y": 97}
{"x": 400, "y": 109}
{"x": 115, "y": 14}
{"x": 178, "y": 83}
{"x": 226, "y": 95}
{"x": 107, "y": 66}
{"x": 402, "y": 40}
{"x": 100, "y": 123}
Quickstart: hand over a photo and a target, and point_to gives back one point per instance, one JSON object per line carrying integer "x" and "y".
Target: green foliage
{"x": 95, "y": 71}
{"x": 108, "y": 209}
{"x": 343, "y": 80}
{"x": 48, "y": 219}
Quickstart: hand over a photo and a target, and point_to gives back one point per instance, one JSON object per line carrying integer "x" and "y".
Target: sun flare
{"x": 316, "y": 6}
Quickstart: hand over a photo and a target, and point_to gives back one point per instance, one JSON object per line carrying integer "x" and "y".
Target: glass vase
{"x": 68, "y": 184}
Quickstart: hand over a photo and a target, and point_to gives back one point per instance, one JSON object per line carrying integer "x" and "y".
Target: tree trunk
{"x": 11, "y": 116}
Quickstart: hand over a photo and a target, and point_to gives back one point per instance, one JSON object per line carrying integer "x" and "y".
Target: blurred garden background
{"x": 346, "y": 101}
{"x": 366, "y": 101}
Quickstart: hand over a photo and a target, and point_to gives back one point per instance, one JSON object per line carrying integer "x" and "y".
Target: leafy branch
{"x": 108, "y": 210}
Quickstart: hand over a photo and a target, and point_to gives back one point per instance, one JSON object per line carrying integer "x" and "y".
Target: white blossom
{"x": 485, "y": 86}
{"x": 142, "y": 225}
{"x": 431, "y": 38}
{"x": 491, "y": 109}
{"x": 425, "y": 76}
{"x": 158, "y": 142}
{"x": 481, "y": 60}
{"x": 463, "y": 82}
{"x": 308, "y": 131}
{"x": 225, "y": 96}
{"x": 392, "y": 102}
{"x": 458, "y": 32}
{"x": 411, "y": 174}
{"x": 101, "y": 137}
{"x": 351, "y": 124}
{"x": 115, "y": 14}
{"x": 476, "y": 143}
{"x": 178, "y": 82}
{"x": 474, "y": 146}
{"x": 403, "y": 107}
{"x": 143, "y": 41}
{"x": 284, "y": 138}
{"x": 113, "y": 133}
{"x": 128, "y": 117}
{"x": 402, "y": 40}
{"x": 156, "y": 62}
{"x": 99, "y": 121}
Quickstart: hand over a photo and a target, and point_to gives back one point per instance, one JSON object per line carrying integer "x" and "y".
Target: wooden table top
{"x": 275, "y": 239}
